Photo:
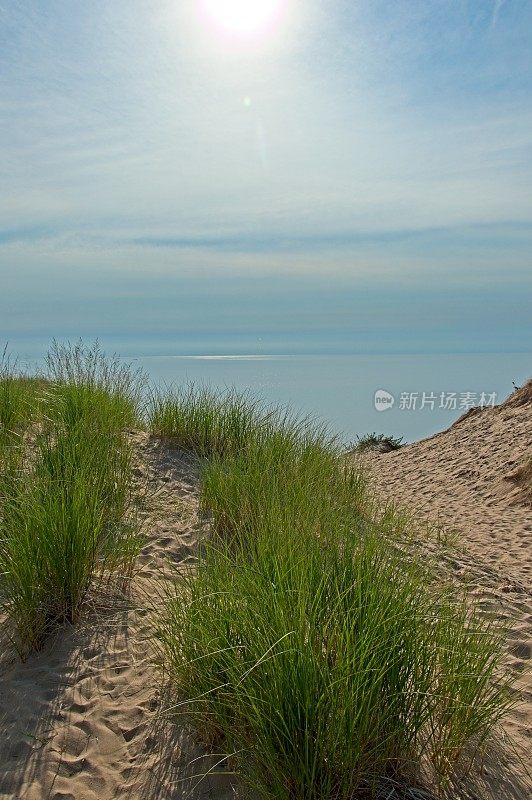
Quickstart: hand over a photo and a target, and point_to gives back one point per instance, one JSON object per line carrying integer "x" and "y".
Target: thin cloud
{"x": 496, "y": 11}
{"x": 388, "y": 142}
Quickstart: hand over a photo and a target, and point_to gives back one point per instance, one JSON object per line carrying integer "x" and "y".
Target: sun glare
{"x": 243, "y": 18}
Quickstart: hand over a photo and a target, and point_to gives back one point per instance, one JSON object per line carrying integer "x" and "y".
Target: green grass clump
{"x": 309, "y": 644}
{"x": 86, "y": 385}
{"x": 63, "y": 525}
{"x": 285, "y": 478}
{"x": 243, "y": 443}
{"x": 327, "y": 671}
{"x": 372, "y": 441}
{"x": 20, "y": 400}
{"x": 207, "y": 422}
{"x": 65, "y": 519}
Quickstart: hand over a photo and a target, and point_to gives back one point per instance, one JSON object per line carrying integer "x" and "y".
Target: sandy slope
{"x": 464, "y": 480}
{"x": 83, "y": 719}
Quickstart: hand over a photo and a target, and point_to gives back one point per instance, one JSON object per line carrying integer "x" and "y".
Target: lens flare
{"x": 243, "y": 18}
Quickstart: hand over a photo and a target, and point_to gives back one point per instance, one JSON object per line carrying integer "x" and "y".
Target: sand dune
{"x": 86, "y": 718}
{"x": 463, "y": 477}
{"x": 467, "y": 479}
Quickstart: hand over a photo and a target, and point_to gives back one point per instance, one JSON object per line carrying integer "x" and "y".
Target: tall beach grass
{"x": 205, "y": 421}
{"x": 309, "y": 643}
{"x": 65, "y": 503}
{"x": 20, "y": 400}
{"x": 88, "y": 386}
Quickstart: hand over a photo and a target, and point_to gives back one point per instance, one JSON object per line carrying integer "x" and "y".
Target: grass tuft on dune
{"x": 311, "y": 643}
{"x": 65, "y": 490}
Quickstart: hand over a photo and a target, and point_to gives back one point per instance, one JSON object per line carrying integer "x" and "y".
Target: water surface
{"x": 340, "y": 389}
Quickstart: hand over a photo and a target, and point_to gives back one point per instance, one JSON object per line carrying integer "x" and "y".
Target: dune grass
{"x": 65, "y": 502}
{"x": 372, "y": 441}
{"x": 205, "y": 421}
{"x": 88, "y": 386}
{"x": 307, "y": 644}
{"x": 20, "y": 400}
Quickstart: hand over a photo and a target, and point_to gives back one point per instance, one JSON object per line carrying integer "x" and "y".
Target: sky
{"x": 354, "y": 176}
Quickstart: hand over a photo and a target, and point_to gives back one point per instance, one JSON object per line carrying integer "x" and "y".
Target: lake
{"x": 429, "y": 391}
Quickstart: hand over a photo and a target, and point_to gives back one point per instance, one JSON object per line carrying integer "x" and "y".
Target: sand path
{"x": 84, "y": 719}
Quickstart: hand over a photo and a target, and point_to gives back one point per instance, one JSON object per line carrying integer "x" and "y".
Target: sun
{"x": 243, "y": 18}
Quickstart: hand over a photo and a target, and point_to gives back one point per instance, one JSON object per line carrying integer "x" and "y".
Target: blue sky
{"x": 359, "y": 178}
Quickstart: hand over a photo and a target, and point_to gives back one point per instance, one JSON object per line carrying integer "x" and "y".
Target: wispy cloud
{"x": 498, "y": 4}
